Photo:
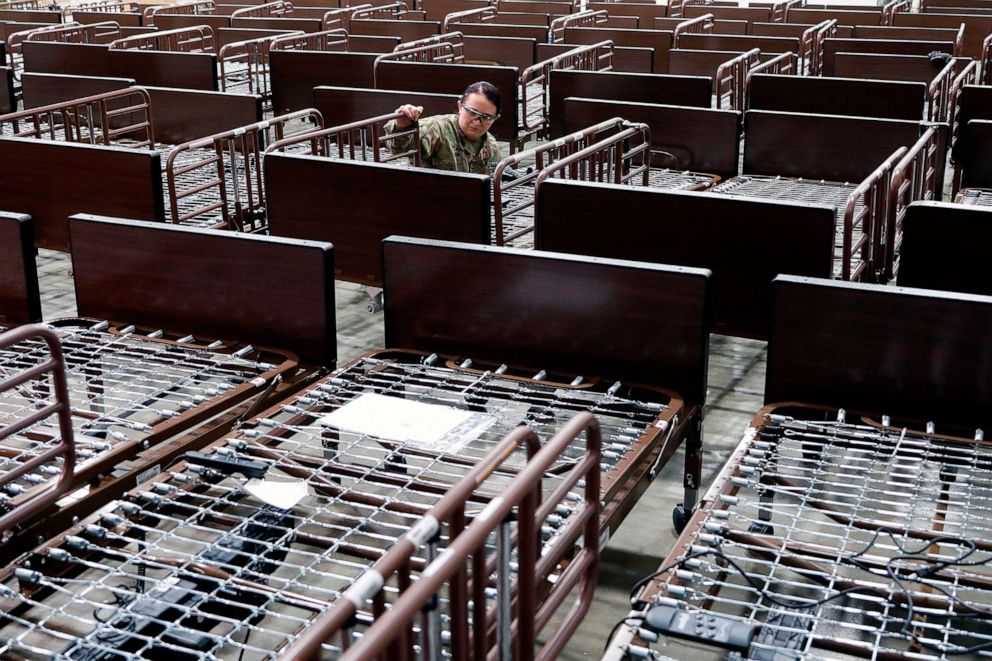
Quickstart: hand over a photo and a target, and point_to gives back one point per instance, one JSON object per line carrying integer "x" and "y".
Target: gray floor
{"x": 736, "y": 381}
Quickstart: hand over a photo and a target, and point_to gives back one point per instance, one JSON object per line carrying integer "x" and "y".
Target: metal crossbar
{"x": 583, "y": 19}
{"x": 76, "y": 33}
{"x": 195, "y": 7}
{"x": 127, "y": 392}
{"x": 535, "y": 80}
{"x": 195, "y": 39}
{"x": 474, "y": 16}
{"x": 277, "y": 8}
{"x": 823, "y": 538}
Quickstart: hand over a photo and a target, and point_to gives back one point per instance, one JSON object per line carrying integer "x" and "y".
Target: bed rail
{"x": 480, "y": 15}
{"x": 77, "y": 33}
{"x": 101, "y": 119}
{"x": 247, "y": 62}
{"x": 364, "y": 140}
{"x": 449, "y": 49}
{"x": 873, "y": 195}
{"x": 939, "y": 95}
{"x": 584, "y": 19}
{"x": 621, "y": 158}
{"x": 277, "y": 8}
{"x": 782, "y": 64}
{"x": 25, "y": 5}
{"x": 986, "y": 60}
{"x": 811, "y": 46}
{"x": 340, "y": 18}
{"x": 15, "y": 39}
{"x": 116, "y": 6}
{"x": 195, "y": 7}
{"x": 890, "y": 10}
{"x": 968, "y": 76}
{"x": 384, "y": 12}
{"x": 779, "y": 10}
{"x": 229, "y": 163}
{"x": 914, "y": 178}
{"x": 29, "y": 505}
{"x": 514, "y": 197}
{"x": 699, "y": 25}
{"x": 325, "y": 40}
{"x": 195, "y": 39}
{"x": 730, "y": 78}
{"x": 461, "y": 572}
{"x": 535, "y": 80}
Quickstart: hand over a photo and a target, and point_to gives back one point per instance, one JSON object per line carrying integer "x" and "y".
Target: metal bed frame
{"x": 130, "y": 391}
{"x": 213, "y": 182}
{"x": 794, "y": 559}
{"x": 914, "y": 178}
{"x": 614, "y": 151}
{"x": 843, "y": 534}
{"x": 190, "y": 564}
{"x": 193, "y": 7}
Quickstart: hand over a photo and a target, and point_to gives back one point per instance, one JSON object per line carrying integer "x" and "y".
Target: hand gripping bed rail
{"x": 536, "y": 79}
{"x": 327, "y": 40}
{"x": 860, "y": 255}
{"x": 515, "y": 196}
{"x": 100, "y": 119}
{"x": 474, "y": 16}
{"x": 359, "y": 141}
{"x": 496, "y": 630}
{"x": 196, "y": 39}
{"x": 30, "y": 504}
{"x": 232, "y": 168}
{"x": 195, "y": 7}
{"x": 914, "y": 178}
{"x": 699, "y": 25}
{"x": 278, "y": 8}
{"x": 584, "y": 19}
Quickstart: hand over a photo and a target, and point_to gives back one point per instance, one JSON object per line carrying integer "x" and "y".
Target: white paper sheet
{"x": 429, "y": 426}
{"x": 284, "y": 495}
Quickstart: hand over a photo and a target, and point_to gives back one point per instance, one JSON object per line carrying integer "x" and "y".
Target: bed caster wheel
{"x": 396, "y": 463}
{"x": 759, "y": 528}
{"x": 679, "y": 518}
{"x": 375, "y": 304}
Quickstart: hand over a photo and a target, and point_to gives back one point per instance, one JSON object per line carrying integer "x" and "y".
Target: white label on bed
{"x": 430, "y": 426}
{"x": 284, "y": 495}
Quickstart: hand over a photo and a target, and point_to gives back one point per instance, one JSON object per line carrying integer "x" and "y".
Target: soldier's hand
{"x": 410, "y": 114}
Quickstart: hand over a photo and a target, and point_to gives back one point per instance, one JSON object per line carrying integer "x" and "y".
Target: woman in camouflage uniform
{"x": 460, "y": 142}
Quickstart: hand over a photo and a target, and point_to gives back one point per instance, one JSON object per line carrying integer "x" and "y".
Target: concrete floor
{"x": 736, "y": 383}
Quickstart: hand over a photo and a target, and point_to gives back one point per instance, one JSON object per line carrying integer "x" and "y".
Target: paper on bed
{"x": 429, "y": 426}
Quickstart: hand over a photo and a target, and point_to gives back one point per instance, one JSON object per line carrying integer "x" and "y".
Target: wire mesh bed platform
{"x": 199, "y": 564}
{"x": 128, "y": 392}
{"x": 828, "y": 538}
{"x": 981, "y": 197}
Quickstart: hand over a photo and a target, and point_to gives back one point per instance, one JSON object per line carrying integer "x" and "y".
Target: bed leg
{"x": 375, "y": 298}
{"x": 692, "y": 474}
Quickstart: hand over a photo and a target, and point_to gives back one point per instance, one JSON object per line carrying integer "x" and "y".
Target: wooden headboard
{"x": 19, "y": 298}
{"x": 195, "y": 71}
{"x": 829, "y": 147}
{"x": 973, "y": 158}
{"x": 8, "y": 99}
{"x": 945, "y": 246}
{"x": 355, "y": 205}
{"x": 273, "y": 292}
{"x": 744, "y": 241}
{"x": 911, "y": 353}
{"x": 294, "y": 74}
{"x": 620, "y": 320}
{"x": 104, "y": 180}
{"x": 699, "y": 139}
{"x": 181, "y": 115}
{"x": 837, "y": 96}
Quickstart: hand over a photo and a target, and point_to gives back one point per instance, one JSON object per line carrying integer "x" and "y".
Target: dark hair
{"x": 487, "y": 90}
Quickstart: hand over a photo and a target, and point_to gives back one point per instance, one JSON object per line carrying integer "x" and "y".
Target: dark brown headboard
{"x": 945, "y": 246}
{"x": 744, "y": 241}
{"x": 343, "y": 105}
{"x": 620, "y": 320}
{"x": 294, "y": 74}
{"x": 700, "y": 139}
{"x": 273, "y": 292}
{"x": 976, "y": 166}
{"x": 75, "y": 59}
{"x": 833, "y": 46}
{"x": 42, "y": 89}
{"x": 828, "y": 147}
{"x": 181, "y": 115}
{"x": 660, "y": 41}
{"x": 19, "y": 299}
{"x": 356, "y": 204}
{"x": 106, "y": 180}
{"x": 695, "y": 91}
{"x": 195, "y": 71}
{"x": 837, "y": 96}
{"x": 974, "y": 102}
{"x": 913, "y": 353}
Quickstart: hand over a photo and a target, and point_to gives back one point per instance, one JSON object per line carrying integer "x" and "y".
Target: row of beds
{"x": 260, "y": 581}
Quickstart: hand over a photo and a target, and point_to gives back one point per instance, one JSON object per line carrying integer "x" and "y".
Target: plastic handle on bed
{"x": 227, "y": 464}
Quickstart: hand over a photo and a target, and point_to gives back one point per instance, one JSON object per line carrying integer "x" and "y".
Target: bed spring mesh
{"x": 803, "y": 190}
{"x": 842, "y": 540}
{"x": 126, "y": 390}
{"x": 980, "y": 197}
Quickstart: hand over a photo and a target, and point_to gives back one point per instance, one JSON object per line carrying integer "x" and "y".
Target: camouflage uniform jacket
{"x": 445, "y": 147}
